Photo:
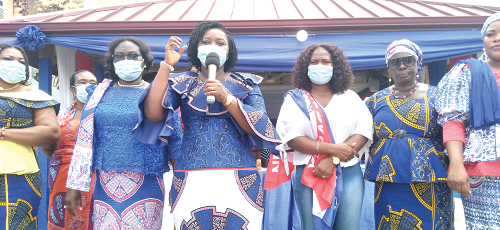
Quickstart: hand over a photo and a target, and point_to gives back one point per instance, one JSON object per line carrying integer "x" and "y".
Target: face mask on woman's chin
{"x": 81, "y": 93}
{"x": 320, "y": 74}
{"x": 12, "y": 71}
{"x": 128, "y": 70}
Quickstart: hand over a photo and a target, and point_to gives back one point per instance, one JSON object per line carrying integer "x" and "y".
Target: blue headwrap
{"x": 484, "y": 105}
{"x": 493, "y": 18}
{"x": 407, "y": 46}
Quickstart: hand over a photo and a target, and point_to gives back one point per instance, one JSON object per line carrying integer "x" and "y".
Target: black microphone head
{"x": 212, "y": 59}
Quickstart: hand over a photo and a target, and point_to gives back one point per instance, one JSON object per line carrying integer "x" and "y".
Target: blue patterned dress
{"x": 216, "y": 183}
{"x": 19, "y": 194}
{"x": 129, "y": 189}
{"x": 410, "y": 171}
{"x": 481, "y": 153}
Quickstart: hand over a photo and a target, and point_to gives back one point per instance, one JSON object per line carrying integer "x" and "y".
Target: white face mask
{"x": 81, "y": 93}
{"x": 12, "y": 71}
{"x": 203, "y": 52}
{"x": 128, "y": 70}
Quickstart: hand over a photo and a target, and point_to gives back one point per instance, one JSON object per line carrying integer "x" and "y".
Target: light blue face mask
{"x": 12, "y": 71}
{"x": 203, "y": 51}
{"x": 128, "y": 70}
{"x": 320, "y": 74}
{"x": 81, "y": 93}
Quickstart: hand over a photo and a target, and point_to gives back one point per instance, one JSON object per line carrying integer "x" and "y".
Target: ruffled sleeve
{"x": 156, "y": 133}
{"x": 452, "y": 100}
{"x": 251, "y": 103}
{"x": 175, "y": 140}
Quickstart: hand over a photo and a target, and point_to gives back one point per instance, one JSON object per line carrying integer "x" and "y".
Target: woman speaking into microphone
{"x": 216, "y": 182}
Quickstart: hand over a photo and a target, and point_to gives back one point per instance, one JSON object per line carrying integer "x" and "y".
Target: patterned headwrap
{"x": 493, "y": 18}
{"x": 407, "y": 46}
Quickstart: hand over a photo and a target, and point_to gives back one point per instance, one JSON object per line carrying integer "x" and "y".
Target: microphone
{"x": 212, "y": 62}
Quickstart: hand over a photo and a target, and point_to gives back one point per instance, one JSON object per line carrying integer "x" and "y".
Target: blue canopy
{"x": 278, "y": 53}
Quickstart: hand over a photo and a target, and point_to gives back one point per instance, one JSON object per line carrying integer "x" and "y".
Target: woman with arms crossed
{"x": 322, "y": 77}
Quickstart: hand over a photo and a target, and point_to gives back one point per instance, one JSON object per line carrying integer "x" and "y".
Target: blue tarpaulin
{"x": 278, "y": 53}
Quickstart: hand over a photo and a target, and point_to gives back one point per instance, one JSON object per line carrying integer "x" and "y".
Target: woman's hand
{"x": 172, "y": 56}
{"x": 458, "y": 180}
{"x": 324, "y": 168}
{"x": 344, "y": 151}
{"x": 73, "y": 196}
{"x": 214, "y": 87}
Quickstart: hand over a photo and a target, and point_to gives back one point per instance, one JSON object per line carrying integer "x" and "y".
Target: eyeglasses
{"x": 407, "y": 61}
{"x": 121, "y": 57}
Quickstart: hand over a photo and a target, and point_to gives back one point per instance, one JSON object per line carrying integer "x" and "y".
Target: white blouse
{"x": 347, "y": 115}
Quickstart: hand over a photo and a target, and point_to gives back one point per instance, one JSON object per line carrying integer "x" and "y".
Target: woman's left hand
{"x": 324, "y": 168}
{"x": 214, "y": 87}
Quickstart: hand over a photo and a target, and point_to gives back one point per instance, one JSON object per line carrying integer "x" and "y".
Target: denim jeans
{"x": 349, "y": 211}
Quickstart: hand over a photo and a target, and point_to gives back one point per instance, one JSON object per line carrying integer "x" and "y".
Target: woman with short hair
{"x": 216, "y": 182}
{"x": 129, "y": 190}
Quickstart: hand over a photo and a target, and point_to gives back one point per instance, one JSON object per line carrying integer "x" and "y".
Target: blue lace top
{"x": 115, "y": 148}
{"x": 211, "y": 138}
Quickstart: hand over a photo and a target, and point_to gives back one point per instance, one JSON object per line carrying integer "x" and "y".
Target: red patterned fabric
{"x": 58, "y": 217}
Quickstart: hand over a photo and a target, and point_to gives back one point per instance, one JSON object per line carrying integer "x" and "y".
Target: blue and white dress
{"x": 129, "y": 189}
{"x": 216, "y": 184}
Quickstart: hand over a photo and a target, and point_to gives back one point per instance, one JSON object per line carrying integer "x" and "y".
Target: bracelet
{"x": 2, "y": 134}
{"x": 167, "y": 65}
{"x": 229, "y": 100}
{"x": 317, "y": 147}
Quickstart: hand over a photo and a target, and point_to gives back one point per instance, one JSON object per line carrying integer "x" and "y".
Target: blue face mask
{"x": 81, "y": 93}
{"x": 128, "y": 70}
{"x": 203, "y": 51}
{"x": 320, "y": 74}
{"x": 12, "y": 71}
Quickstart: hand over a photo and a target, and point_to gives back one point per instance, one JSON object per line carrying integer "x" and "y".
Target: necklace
{"x": 138, "y": 85}
{"x": 398, "y": 97}
{"x": 2, "y": 89}
{"x": 321, "y": 93}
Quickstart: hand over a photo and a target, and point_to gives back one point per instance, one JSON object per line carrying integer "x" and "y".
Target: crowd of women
{"x": 110, "y": 148}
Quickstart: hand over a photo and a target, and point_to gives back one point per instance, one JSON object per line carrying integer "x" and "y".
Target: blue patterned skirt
{"x": 20, "y": 197}
{"x": 128, "y": 201}
{"x": 482, "y": 207}
{"x": 413, "y": 206}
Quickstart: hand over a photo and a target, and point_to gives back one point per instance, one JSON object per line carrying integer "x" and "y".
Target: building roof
{"x": 256, "y": 17}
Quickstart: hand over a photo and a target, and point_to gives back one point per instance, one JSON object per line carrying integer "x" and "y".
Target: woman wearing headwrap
{"x": 469, "y": 111}
{"x": 407, "y": 160}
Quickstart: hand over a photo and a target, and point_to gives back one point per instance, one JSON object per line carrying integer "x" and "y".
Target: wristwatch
{"x": 335, "y": 160}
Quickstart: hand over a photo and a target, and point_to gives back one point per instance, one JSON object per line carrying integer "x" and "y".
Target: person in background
{"x": 60, "y": 158}
{"x": 129, "y": 190}
{"x": 407, "y": 160}
{"x": 469, "y": 111}
{"x": 216, "y": 182}
{"x": 322, "y": 117}
{"x": 27, "y": 119}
